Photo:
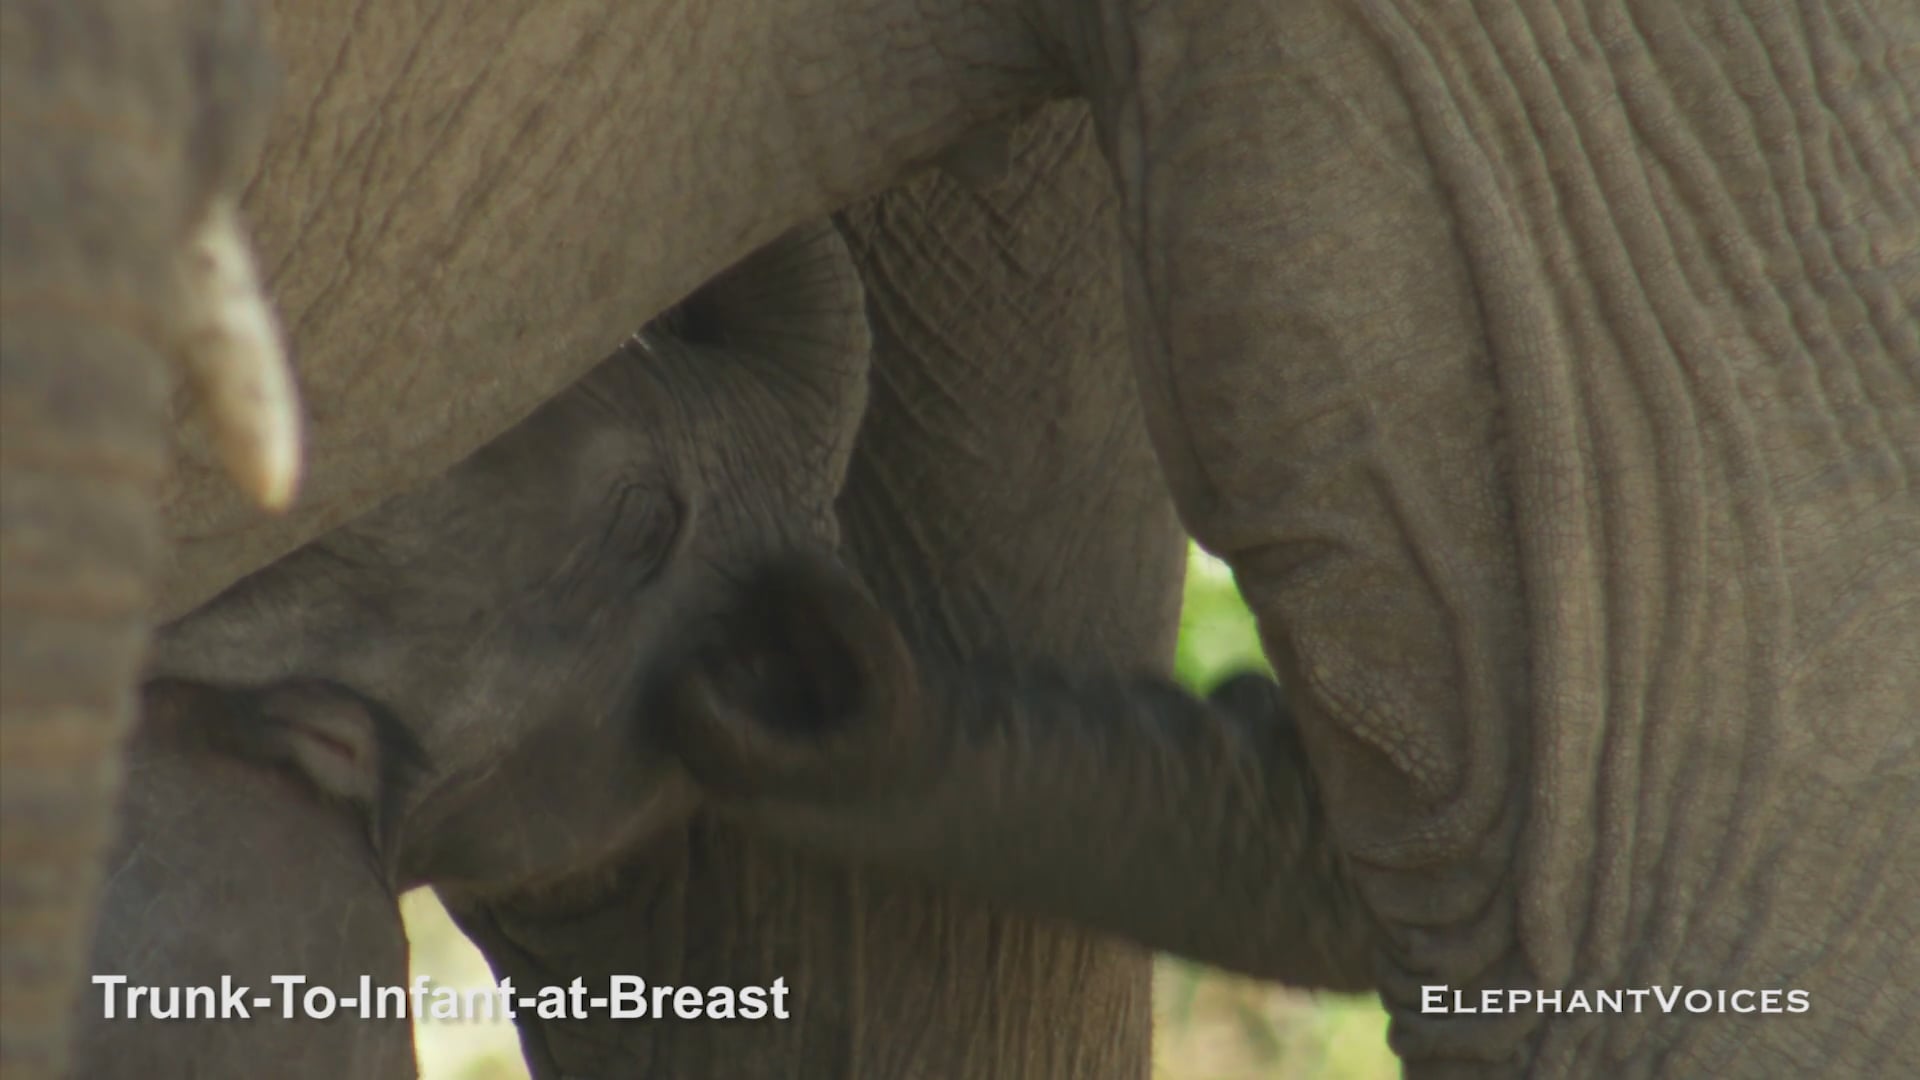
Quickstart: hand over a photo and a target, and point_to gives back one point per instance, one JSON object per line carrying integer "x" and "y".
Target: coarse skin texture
{"x": 504, "y": 610}
{"x": 1545, "y": 371}
{"x": 461, "y": 664}
{"x": 1002, "y": 495}
{"x": 1552, "y": 385}
{"x": 436, "y": 186}
{"x": 1550, "y": 378}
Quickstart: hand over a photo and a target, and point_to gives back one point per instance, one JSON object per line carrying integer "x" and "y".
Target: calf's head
{"x": 503, "y": 612}
{"x": 454, "y": 675}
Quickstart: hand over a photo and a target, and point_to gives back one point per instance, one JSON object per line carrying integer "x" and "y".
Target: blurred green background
{"x": 1207, "y": 1025}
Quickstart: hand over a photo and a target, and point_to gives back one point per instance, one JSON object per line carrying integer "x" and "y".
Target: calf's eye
{"x": 643, "y": 530}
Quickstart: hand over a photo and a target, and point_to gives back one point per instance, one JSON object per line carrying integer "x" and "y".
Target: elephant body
{"x": 897, "y": 975}
{"x": 505, "y": 618}
{"x": 1545, "y": 372}
{"x": 497, "y": 621}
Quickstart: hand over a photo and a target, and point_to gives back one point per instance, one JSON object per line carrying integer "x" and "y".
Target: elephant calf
{"x": 436, "y": 693}
{"x": 429, "y": 694}
{"x": 1124, "y": 803}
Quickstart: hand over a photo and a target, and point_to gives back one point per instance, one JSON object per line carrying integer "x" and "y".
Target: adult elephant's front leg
{"x": 1002, "y": 495}
{"x": 1551, "y": 388}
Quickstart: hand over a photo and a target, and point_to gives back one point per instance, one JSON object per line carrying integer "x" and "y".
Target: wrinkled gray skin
{"x": 1544, "y": 372}
{"x": 495, "y": 623}
{"x": 1053, "y": 536}
{"x": 503, "y": 611}
{"x": 380, "y": 607}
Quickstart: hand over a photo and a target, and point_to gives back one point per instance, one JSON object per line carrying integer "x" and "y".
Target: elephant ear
{"x": 777, "y": 343}
{"x": 796, "y": 685}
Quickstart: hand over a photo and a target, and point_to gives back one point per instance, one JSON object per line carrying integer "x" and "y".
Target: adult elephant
{"x": 1040, "y": 256}
{"x": 1560, "y": 363}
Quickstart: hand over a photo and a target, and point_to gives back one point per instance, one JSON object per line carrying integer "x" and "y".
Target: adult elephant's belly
{"x": 450, "y": 238}
{"x": 1560, "y": 421}
{"x": 458, "y": 215}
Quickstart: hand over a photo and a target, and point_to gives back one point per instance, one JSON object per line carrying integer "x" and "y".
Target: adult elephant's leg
{"x": 122, "y": 125}
{"x": 1003, "y": 495}
{"x": 1551, "y": 388}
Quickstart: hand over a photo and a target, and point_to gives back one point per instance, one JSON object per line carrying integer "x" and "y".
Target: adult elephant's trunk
{"x": 80, "y": 457}
{"x": 121, "y": 124}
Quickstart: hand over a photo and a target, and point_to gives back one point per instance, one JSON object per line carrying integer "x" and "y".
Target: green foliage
{"x": 1217, "y": 633}
{"x": 1213, "y": 1026}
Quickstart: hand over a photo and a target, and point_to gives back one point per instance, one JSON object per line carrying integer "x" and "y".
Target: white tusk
{"x": 237, "y": 366}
